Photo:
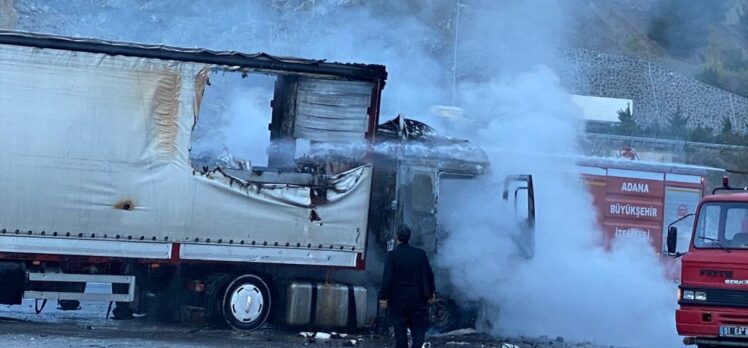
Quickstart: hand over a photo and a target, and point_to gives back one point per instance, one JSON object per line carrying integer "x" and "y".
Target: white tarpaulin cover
{"x": 97, "y": 145}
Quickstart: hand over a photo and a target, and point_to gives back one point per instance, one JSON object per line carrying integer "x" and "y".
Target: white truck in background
{"x": 98, "y": 185}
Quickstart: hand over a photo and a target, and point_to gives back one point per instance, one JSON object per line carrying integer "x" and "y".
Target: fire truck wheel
{"x": 246, "y": 303}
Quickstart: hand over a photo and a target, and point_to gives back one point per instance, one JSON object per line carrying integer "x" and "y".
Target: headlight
{"x": 688, "y": 295}
{"x": 700, "y": 296}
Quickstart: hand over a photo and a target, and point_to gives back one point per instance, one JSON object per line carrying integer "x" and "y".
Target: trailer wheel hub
{"x": 246, "y": 303}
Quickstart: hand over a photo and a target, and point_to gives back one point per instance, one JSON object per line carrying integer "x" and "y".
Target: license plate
{"x": 733, "y": 331}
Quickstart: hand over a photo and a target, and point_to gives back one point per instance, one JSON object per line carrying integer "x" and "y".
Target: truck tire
{"x": 444, "y": 315}
{"x": 246, "y": 303}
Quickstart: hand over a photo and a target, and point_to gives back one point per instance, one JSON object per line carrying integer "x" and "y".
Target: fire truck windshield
{"x": 722, "y": 226}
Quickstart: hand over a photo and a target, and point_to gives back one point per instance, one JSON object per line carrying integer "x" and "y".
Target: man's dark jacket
{"x": 407, "y": 275}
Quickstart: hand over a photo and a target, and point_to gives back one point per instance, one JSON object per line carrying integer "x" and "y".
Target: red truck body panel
{"x": 640, "y": 201}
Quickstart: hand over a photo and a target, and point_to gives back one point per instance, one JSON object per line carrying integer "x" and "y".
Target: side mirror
{"x": 672, "y": 239}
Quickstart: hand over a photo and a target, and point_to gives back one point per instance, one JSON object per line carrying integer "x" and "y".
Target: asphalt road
{"x": 21, "y": 327}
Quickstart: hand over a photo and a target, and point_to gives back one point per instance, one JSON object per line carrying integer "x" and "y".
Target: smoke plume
{"x": 525, "y": 119}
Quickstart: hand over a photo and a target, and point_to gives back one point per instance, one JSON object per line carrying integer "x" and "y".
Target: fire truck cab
{"x": 713, "y": 292}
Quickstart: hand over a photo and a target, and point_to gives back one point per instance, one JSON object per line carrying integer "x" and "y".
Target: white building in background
{"x": 601, "y": 109}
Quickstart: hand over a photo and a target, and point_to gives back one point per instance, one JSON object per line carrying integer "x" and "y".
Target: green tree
{"x": 653, "y": 130}
{"x": 627, "y": 126}
{"x": 709, "y": 74}
{"x": 678, "y": 124}
{"x": 728, "y": 135}
{"x": 742, "y": 87}
{"x": 733, "y": 59}
{"x": 743, "y": 21}
{"x": 726, "y": 125}
{"x": 701, "y": 134}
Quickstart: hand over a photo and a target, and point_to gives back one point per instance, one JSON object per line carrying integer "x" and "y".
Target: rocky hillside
{"x": 706, "y": 39}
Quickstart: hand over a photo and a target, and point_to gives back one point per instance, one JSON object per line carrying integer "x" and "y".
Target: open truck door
{"x": 519, "y": 191}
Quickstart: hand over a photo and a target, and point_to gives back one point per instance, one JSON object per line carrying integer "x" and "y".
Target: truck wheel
{"x": 444, "y": 315}
{"x": 246, "y": 303}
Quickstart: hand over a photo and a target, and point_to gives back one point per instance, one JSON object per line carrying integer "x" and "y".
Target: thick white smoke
{"x": 572, "y": 287}
{"x": 525, "y": 119}
{"x": 233, "y": 120}
{"x": 518, "y": 112}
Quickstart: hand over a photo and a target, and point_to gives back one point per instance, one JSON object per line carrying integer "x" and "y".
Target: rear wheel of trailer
{"x": 246, "y": 303}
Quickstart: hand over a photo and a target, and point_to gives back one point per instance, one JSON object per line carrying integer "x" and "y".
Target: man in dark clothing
{"x": 407, "y": 288}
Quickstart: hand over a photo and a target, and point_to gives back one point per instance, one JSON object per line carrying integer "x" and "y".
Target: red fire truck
{"x": 713, "y": 292}
{"x": 639, "y": 199}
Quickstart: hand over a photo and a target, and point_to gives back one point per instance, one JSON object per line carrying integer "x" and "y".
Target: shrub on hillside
{"x": 743, "y": 21}
{"x": 709, "y": 74}
{"x": 682, "y": 27}
{"x": 702, "y": 134}
{"x": 734, "y": 59}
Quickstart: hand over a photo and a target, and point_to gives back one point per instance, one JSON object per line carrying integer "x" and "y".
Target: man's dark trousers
{"x": 409, "y": 313}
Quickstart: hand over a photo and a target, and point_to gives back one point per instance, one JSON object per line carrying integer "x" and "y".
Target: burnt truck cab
{"x": 713, "y": 292}
{"x": 410, "y": 158}
{"x": 411, "y": 162}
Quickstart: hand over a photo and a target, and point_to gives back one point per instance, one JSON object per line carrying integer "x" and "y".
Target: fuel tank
{"x": 326, "y": 306}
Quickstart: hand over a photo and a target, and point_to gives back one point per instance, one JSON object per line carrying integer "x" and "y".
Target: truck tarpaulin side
{"x": 106, "y": 163}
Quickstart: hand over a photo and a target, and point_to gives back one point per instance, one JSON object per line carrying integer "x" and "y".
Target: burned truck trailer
{"x": 99, "y": 184}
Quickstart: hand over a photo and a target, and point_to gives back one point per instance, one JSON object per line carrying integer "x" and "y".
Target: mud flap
{"x": 12, "y": 282}
{"x": 520, "y": 191}
{"x": 351, "y": 322}
{"x": 216, "y": 283}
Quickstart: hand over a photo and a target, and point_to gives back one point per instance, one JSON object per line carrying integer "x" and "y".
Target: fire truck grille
{"x": 718, "y": 297}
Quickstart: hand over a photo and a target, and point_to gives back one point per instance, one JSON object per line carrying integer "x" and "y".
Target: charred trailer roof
{"x": 417, "y": 143}
{"x": 314, "y": 99}
{"x": 253, "y": 61}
